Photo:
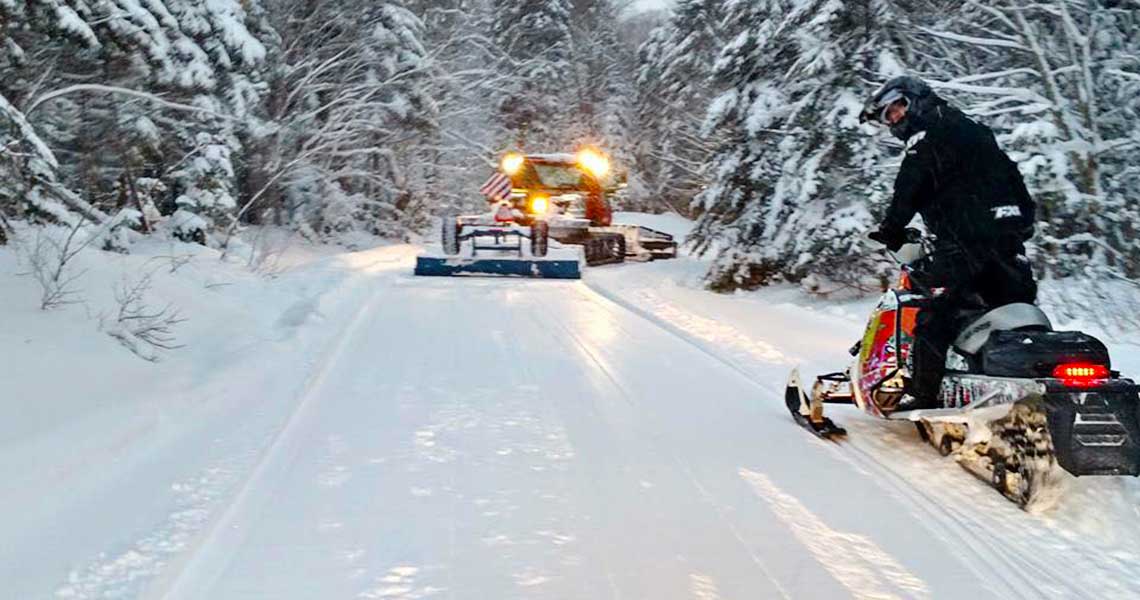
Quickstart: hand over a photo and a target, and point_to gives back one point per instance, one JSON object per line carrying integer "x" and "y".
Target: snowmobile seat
{"x": 1011, "y": 317}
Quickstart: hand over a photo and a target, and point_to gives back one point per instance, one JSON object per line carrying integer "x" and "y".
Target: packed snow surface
{"x": 342, "y": 429}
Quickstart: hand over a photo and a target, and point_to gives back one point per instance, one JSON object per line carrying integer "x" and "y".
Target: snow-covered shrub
{"x": 50, "y": 255}
{"x": 115, "y": 236}
{"x": 188, "y": 227}
{"x": 143, "y": 196}
{"x": 354, "y": 218}
{"x": 206, "y": 181}
{"x": 140, "y": 327}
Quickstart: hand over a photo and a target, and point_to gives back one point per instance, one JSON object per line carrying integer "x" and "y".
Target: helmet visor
{"x": 877, "y": 108}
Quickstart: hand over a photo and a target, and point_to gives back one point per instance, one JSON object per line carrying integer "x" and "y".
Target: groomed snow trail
{"x": 474, "y": 438}
{"x": 1085, "y": 547}
{"x": 621, "y": 437}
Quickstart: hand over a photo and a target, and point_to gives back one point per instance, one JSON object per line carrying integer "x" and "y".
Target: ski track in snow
{"x": 198, "y": 500}
{"x": 702, "y": 339}
{"x": 116, "y": 576}
{"x": 866, "y": 570}
{"x": 706, "y": 584}
{"x": 224, "y": 533}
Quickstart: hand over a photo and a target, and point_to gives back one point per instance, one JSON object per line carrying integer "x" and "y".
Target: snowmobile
{"x": 1019, "y": 398}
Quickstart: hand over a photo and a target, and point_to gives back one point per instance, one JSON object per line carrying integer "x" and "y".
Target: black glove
{"x": 893, "y": 240}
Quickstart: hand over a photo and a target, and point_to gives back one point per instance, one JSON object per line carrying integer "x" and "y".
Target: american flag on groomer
{"x": 498, "y": 187}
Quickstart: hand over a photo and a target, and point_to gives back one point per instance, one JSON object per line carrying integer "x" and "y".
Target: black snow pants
{"x": 981, "y": 276}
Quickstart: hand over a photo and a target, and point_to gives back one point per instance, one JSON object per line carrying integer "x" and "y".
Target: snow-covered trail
{"x": 500, "y": 439}
{"x": 110, "y": 466}
{"x": 1085, "y": 547}
{"x": 389, "y": 436}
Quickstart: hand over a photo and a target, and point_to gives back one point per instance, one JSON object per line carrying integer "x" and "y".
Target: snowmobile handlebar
{"x": 917, "y": 246}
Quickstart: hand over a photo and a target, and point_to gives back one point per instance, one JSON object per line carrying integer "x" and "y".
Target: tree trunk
{"x": 133, "y": 195}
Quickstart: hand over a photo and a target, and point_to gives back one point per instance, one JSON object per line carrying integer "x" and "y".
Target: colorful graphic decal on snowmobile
{"x": 963, "y": 390}
{"x": 877, "y": 360}
{"x": 886, "y": 345}
{"x": 906, "y": 336}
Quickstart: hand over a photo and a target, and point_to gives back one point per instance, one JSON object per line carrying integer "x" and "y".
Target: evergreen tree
{"x": 674, "y": 91}
{"x": 466, "y": 87}
{"x": 537, "y": 46}
{"x": 202, "y": 59}
{"x": 795, "y": 181}
{"x": 1063, "y": 93}
{"x": 352, "y": 91}
{"x": 604, "y": 82}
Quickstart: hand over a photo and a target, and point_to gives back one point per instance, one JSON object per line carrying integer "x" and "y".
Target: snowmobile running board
{"x": 431, "y": 266}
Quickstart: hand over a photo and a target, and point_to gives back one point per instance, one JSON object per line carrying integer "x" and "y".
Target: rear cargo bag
{"x": 1037, "y": 353}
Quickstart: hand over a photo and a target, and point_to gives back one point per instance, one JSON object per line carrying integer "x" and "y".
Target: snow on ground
{"x": 1085, "y": 546}
{"x": 111, "y": 463}
{"x": 335, "y": 427}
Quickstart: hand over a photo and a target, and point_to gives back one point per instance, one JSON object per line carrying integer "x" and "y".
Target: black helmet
{"x": 918, "y": 98}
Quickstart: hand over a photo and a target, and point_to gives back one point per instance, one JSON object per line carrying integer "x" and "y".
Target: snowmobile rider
{"x": 973, "y": 200}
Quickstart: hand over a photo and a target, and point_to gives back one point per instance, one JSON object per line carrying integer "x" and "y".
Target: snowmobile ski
{"x": 825, "y": 429}
{"x": 807, "y": 416}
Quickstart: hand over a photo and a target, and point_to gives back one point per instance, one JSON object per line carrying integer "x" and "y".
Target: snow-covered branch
{"x": 19, "y": 120}
{"x": 977, "y": 41}
{"x": 110, "y": 89}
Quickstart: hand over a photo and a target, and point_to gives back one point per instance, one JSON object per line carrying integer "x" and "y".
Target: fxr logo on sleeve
{"x": 913, "y": 141}
{"x": 1005, "y": 212}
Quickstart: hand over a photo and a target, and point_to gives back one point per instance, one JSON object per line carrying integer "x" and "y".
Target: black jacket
{"x": 966, "y": 189}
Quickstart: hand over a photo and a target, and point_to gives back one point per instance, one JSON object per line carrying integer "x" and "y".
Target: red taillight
{"x": 1080, "y": 373}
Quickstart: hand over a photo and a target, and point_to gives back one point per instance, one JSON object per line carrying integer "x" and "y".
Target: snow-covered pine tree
{"x": 465, "y": 86}
{"x": 649, "y": 124}
{"x": 1061, "y": 82}
{"x": 348, "y": 105}
{"x": 604, "y": 81}
{"x": 536, "y": 95}
{"x": 93, "y": 83}
{"x": 403, "y": 117}
{"x": 795, "y": 181}
{"x": 673, "y": 94}
{"x": 31, "y": 164}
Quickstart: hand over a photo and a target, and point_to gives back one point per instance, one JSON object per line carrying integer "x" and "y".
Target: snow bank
{"x": 105, "y": 454}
